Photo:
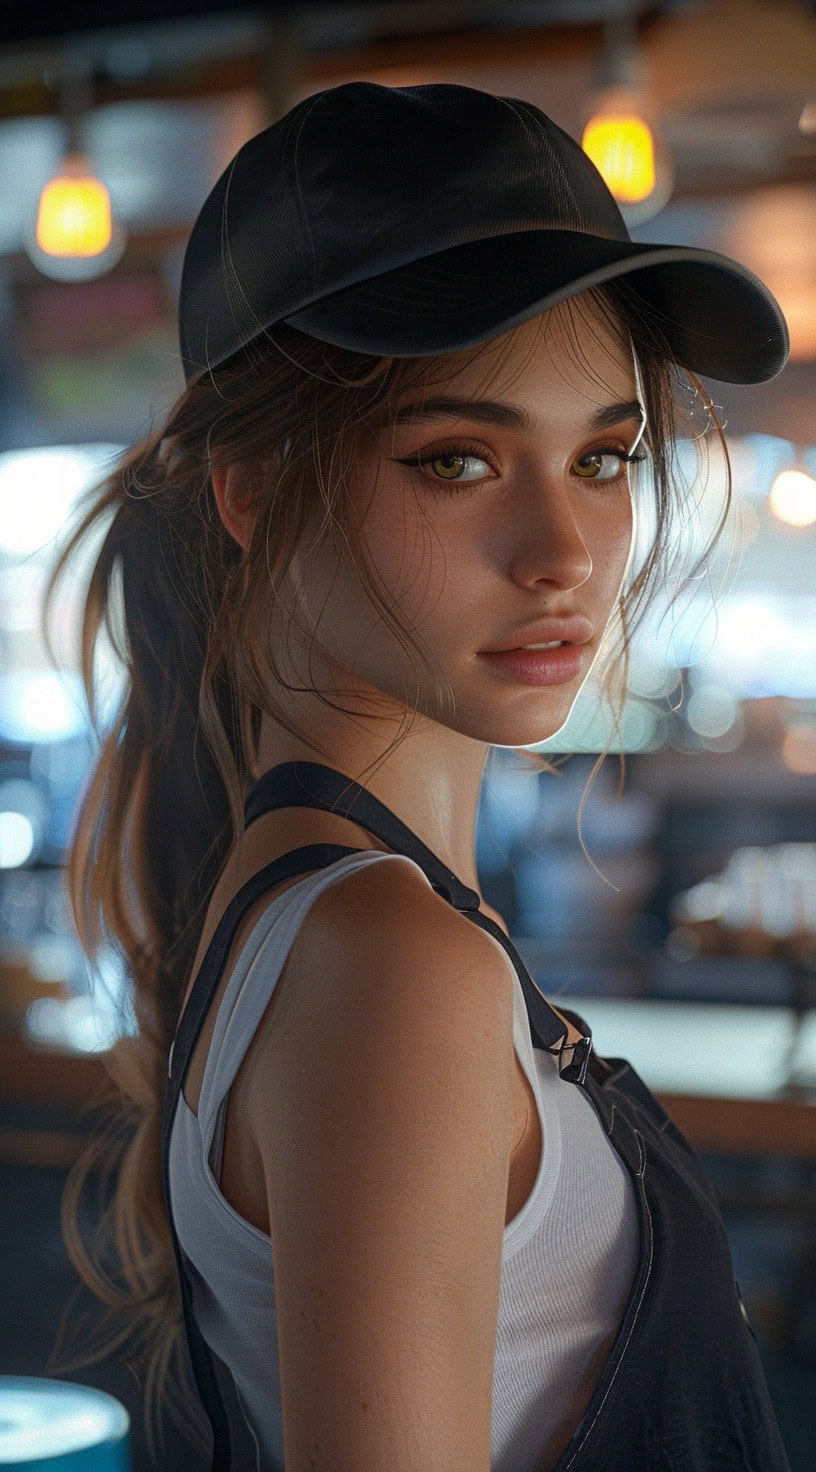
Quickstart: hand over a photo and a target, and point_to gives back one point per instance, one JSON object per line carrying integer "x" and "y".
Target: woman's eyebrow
{"x": 507, "y": 416}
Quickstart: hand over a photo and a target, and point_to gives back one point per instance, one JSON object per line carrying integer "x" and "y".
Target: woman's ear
{"x": 233, "y": 495}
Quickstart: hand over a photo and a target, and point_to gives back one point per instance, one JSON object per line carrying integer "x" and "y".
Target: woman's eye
{"x": 593, "y": 460}
{"x": 449, "y": 463}
{"x": 451, "y": 466}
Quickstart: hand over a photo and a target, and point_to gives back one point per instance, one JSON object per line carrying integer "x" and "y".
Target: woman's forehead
{"x": 574, "y": 335}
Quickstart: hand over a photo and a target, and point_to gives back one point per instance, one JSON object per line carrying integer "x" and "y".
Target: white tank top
{"x": 568, "y": 1257}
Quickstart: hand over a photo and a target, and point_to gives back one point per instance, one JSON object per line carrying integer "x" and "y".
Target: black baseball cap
{"x": 420, "y": 220}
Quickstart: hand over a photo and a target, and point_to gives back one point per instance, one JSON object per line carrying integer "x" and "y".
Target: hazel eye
{"x": 451, "y": 459}
{"x": 451, "y": 465}
{"x": 596, "y": 457}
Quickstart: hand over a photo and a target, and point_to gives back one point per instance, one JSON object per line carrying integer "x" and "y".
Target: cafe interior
{"x": 660, "y": 877}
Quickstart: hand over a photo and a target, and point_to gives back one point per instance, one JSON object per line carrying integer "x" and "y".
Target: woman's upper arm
{"x": 383, "y": 1113}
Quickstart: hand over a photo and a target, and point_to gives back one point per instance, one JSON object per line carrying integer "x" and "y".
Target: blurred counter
{"x": 736, "y": 1080}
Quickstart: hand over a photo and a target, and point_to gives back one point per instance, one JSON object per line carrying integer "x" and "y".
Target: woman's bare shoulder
{"x": 379, "y": 928}
{"x": 390, "y": 901}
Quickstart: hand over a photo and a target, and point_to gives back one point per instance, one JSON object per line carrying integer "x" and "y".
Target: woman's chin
{"x": 539, "y": 721}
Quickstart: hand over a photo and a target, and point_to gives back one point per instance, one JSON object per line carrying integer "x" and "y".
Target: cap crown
{"x": 361, "y": 178}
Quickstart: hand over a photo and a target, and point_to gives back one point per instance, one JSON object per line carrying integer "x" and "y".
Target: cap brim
{"x": 720, "y": 320}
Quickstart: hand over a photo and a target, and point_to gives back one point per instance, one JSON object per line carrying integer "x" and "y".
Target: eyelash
{"x": 442, "y": 452}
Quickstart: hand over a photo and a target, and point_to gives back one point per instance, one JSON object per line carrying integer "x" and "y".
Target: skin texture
{"x": 521, "y": 535}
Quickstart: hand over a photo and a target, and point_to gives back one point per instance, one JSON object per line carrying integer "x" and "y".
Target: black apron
{"x": 683, "y": 1388}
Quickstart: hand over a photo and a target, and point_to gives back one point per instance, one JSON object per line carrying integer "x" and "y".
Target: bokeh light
{"x": 793, "y": 498}
{"x": 622, "y": 149}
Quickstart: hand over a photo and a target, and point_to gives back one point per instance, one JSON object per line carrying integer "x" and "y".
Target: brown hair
{"x": 164, "y": 804}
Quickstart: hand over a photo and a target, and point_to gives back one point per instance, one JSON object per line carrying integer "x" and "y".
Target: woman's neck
{"x": 431, "y": 783}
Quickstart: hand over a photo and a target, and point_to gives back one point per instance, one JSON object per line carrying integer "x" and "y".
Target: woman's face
{"x": 514, "y": 516}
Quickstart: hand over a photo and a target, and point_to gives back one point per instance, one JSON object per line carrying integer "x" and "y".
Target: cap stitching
{"x": 518, "y": 107}
{"x": 317, "y": 98}
{"x": 233, "y": 288}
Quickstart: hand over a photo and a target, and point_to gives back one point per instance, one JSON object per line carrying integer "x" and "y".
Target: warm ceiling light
{"x": 792, "y": 497}
{"x": 74, "y": 213}
{"x": 621, "y": 134}
{"x": 621, "y": 146}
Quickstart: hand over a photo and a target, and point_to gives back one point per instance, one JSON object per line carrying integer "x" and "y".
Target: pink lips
{"x": 576, "y": 630}
{"x": 537, "y": 666}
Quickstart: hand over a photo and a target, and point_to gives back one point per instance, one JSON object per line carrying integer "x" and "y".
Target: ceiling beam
{"x": 30, "y": 95}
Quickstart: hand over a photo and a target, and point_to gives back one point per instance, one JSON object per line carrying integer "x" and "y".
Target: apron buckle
{"x": 573, "y": 1058}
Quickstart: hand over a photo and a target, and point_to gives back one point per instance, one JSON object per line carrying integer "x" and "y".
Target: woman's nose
{"x": 550, "y": 546}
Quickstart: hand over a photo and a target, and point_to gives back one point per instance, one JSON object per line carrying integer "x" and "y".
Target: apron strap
{"x": 312, "y": 785}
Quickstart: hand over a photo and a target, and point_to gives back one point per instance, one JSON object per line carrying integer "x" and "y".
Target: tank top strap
{"x": 289, "y": 865}
{"x": 315, "y": 785}
{"x": 242, "y": 1006}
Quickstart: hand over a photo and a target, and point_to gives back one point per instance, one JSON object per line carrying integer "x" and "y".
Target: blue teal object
{"x": 59, "y": 1426}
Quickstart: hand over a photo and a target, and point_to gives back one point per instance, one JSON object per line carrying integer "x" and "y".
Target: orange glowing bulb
{"x": 74, "y": 214}
{"x": 621, "y": 147}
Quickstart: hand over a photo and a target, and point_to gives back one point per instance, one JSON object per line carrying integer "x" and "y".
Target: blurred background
{"x": 684, "y": 930}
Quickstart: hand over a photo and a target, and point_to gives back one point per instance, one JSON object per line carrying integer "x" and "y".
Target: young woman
{"x": 403, "y": 1215}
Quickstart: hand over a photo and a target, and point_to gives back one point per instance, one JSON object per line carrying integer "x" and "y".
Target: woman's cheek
{"x": 409, "y": 556}
{"x": 609, "y": 548}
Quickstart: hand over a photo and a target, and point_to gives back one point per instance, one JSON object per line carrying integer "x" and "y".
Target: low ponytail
{"x": 158, "y": 802}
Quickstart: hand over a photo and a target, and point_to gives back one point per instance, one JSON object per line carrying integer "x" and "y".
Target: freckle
{"x": 364, "y": 1404}
{"x": 315, "y": 1323}
{"x": 322, "y": 1292}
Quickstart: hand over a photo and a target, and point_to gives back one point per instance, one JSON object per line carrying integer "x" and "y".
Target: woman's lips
{"x": 538, "y": 666}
